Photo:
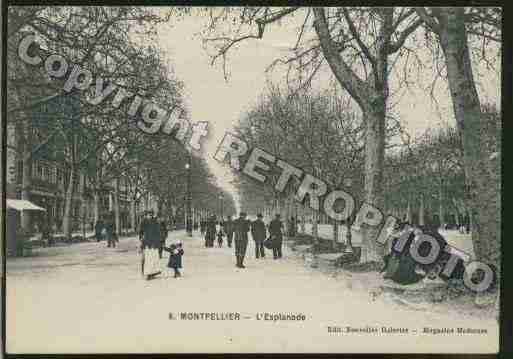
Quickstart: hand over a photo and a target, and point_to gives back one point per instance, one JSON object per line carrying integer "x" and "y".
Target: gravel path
{"x": 89, "y": 298}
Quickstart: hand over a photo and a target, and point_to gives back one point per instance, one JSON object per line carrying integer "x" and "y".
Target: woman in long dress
{"x": 150, "y": 247}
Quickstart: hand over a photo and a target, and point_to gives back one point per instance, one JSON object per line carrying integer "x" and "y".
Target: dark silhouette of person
{"x": 259, "y": 232}
{"x": 242, "y": 227}
{"x": 275, "y": 230}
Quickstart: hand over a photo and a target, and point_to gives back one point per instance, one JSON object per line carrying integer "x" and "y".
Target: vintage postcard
{"x": 252, "y": 179}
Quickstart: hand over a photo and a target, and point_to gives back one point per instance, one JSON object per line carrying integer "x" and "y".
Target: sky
{"x": 210, "y": 98}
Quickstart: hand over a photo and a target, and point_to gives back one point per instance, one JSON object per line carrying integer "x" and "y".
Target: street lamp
{"x": 188, "y": 215}
{"x": 221, "y": 199}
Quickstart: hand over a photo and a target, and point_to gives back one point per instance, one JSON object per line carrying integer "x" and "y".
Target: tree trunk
{"x": 116, "y": 207}
{"x": 26, "y": 222}
{"x": 422, "y": 219}
{"x": 484, "y": 199}
{"x": 26, "y": 148}
{"x": 315, "y": 226}
{"x": 303, "y": 219}
{"x": 68, "y": 206}
{"x": 374, "y": 159}
{"x": 372, "y": 100}
{"x": 133, "y": 220}
{"x": 409, "y": 215}
{"x": 441, "y": 212}
{"x": 335, "y": 234}
{"x": 96, "y": 205}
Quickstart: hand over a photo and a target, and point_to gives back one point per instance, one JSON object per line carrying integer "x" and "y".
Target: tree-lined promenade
{"x": 81, "y": 161}
{"x": 102, "y": 288}
{"x": 113, "y": 157}
{"x": 375, "y": 54}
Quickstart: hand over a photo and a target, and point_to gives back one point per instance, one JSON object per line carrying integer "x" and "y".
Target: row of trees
{"x": 365, "y": 48}
{"x": 97, "y": 137}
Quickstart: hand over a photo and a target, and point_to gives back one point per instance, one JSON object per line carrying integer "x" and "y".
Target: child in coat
{"x": 175, "y": 257}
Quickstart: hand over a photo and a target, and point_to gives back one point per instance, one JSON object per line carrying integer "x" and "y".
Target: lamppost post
{"x": 188, "y": 201}
{"x": 221, "y": 199}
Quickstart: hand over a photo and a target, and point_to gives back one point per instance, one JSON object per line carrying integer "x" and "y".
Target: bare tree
{"x": 357, "y": 44}
{"x": 453, "y": 28}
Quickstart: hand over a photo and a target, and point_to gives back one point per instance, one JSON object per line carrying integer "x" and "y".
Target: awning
{"x": 20, "y": 205}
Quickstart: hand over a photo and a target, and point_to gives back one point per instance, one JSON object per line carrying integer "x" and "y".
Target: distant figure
{"x": 111, "y": 232}
{"x": 98, "y": 230}
{"x": 220, "y": 234}
{"x": 229, "y": 229}
{"x": 242, "y": 227}
{"x": 203, "y": 225}
{"x": 258, "y": 232}
{"x": 210, "y": 232}
{"x": 175, "y": 257}
{"x": 275, "y": 230}
{"x": 45, "y": 233}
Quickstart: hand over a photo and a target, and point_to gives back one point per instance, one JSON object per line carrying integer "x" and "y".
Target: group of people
{"x": 237, "y": 231}
{"x": 106, "y": 229}
{"x": 153, "y": 232}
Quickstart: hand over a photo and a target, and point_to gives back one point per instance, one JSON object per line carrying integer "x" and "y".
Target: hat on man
{"x": 259, "y": 215}
{"x": 243, "y": 214}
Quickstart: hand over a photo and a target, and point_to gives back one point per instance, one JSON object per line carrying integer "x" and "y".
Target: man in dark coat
{"x": 202, "y": 226}
{"x": 258, "y": 232}
{"x": 98, "y": 228}
{"x": 229, "y": 228}
{"x": 242, "y": 226}
{"x": 220, "y": 233}
{"x": 210, "y": 234}
{"x": 275, "y": 230}
{"x": 111, "y": 232}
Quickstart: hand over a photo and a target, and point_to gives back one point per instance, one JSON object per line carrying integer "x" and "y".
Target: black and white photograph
{"x": 251, "y": 179}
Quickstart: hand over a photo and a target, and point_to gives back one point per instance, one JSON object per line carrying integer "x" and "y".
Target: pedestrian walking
{"x": 45, "y": 233}
{"x": 98, "y": 229}
{"x": 258, "y": 232}
{"x": 210, "y": 234}
{"x": 229, "y": 228}
{"x": 220, "y": 234}
{"x": 175, "y": 257}
{"x": 110, "y": 232}
{"x": 163, "y": 235}
{"x": 203, "y": 225}
{"x": 242, "y": 227}
{"x": 150, "y": 245}
{"x": 275, "y": 230}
